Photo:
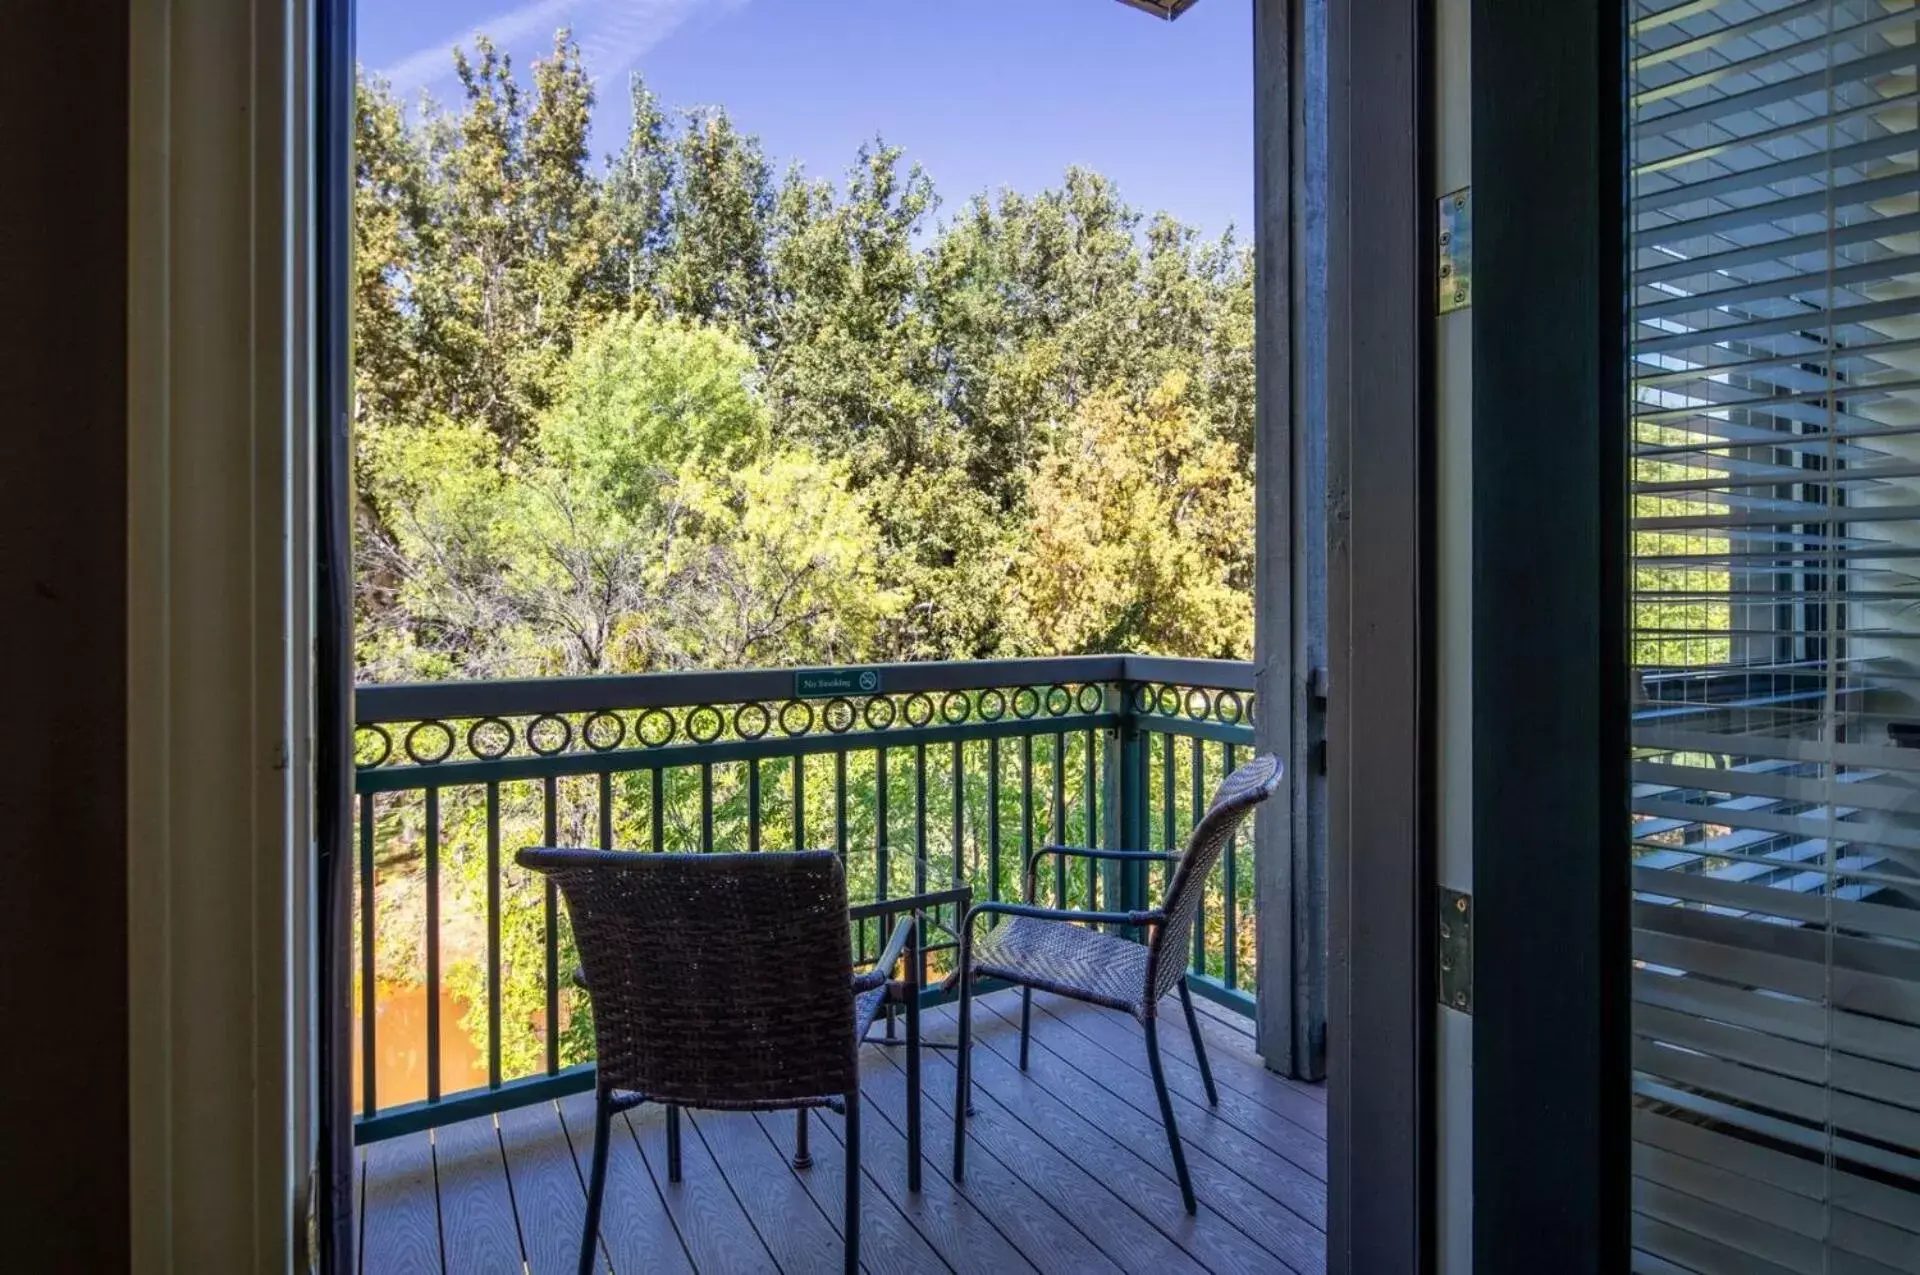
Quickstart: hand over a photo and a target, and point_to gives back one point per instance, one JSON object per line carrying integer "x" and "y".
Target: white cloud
{"x": 613, "y": 34}
{"x": 633, "y": 28}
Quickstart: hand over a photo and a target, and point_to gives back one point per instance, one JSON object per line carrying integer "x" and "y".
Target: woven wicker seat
{"x": 1053, "y": 950}
{"x": 1058, "y": 956}
{"x": 721, "y": 981}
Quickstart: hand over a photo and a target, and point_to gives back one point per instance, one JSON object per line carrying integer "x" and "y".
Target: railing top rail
{"x": 498, "y": 698}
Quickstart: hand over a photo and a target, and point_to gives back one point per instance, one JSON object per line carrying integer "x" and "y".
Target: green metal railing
{"x": 919, "y": 775}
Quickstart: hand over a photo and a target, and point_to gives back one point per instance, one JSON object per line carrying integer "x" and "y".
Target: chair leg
{"x": 1166, "y": 1116}
{"x": 673, "y": 1144}
{"x": 853, "y": 1180}
{"x": 1199, "y": 1045}
{"x": 1026, "y": 1023}
{"x": 597, "y": 1180}
{"x": 963, "y": 1065}
{"x": 802, "y": 1158}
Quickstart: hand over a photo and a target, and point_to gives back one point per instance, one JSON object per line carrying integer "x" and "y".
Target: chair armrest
{"x": 1088, "y": 852}
{"x": 889, "y": 957}
{"x": 1138, "y": 919}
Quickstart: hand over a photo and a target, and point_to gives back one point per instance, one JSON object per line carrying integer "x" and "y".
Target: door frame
{"x": 1551, "y": 961}
{"x": 1371, "y": 105}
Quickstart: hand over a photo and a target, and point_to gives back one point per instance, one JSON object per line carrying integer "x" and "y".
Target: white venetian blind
{"x": 1775, "y": 328}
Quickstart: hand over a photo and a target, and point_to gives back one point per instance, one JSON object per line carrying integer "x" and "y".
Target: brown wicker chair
{"x": 1043, "y": 948}
{"x": 720, "y": 981}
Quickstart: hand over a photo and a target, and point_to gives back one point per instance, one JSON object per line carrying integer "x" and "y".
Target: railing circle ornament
{"x": 655, "y": 728}
{"x": 796, "y": 717}
{"x": 704, "y": 724}
{"x": 879, "y": 713}
{"x": 1140, "y": 698}
{"x": 490, "y": 738}
{"x": 919, "y": 709}
{"x": 1199, "y": 704}
{"x": 429, "y": 757}
{"x": 603, "y": 731}
{"x": 1228, "y": 708}
{"x": 839, "y": 715}
{"x": 993, "y": 706}
{"x": 955, "y": 707}
{"x": 549, "y": 734}
{"x": 1167, "y": 701}
{"x": 377, "y": 735}
{"x": 1026, "y": 703}
{"x": 1091, "y": 698}
{"x": 751, "y": 721}
{"x": 1059, "y": 701}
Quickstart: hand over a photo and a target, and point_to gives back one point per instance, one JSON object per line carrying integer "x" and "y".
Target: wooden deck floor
{"x": 1067, "y": 1171}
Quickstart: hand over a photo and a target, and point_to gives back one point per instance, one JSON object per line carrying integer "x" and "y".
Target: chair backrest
{"x": 1232, "y": 802}
{"x": 717, "y": 980}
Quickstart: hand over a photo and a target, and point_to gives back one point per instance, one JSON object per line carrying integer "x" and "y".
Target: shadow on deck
{"x": 1067, "y": 1170}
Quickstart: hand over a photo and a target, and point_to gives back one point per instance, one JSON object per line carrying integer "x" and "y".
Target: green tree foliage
{"x": 665, "y": 410}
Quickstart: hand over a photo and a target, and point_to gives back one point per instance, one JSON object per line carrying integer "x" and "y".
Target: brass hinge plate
{"x": 1456, "y": 250}
{"x": 1455, "y": 932}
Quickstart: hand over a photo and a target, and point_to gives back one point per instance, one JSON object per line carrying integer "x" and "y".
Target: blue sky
{"x": 984, "y": 94}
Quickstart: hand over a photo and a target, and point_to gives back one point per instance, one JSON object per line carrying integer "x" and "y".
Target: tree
{"x": 713, "y": 266}
{"x": 1141, "y": 537}
{"x": 638, "y": 182}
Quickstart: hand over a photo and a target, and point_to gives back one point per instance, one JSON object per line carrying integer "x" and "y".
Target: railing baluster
{"x": 753, "y": 805}
{"x": 882, "y": 831}
{"x": 606, "y": 810}
{"x": 706, "y": 808}
{"x": 1026, "y": 811}
{"x": 799, "y": 801}
{"x": 993, "y": 817}
{"x": 919, "y": 818}
{"x": 1060, "y": 816}
{"x": 1197, "y": 763}
{"x": 369, "y": 991}
{"x": 493, "y": 936}
{"x": 550, "y": 814}
{"x": 1230, "y": 905}
{"x": 840, "y": 803}
{"x": 433, "y": 945}
{"x": 659, "y": 786}
{"x": 1167, "y": 812}
{"x": 1089, "y": 796}
{"x": 959, "y": 812}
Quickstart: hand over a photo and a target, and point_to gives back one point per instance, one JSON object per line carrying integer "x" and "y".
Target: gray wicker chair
{"x": 1044, "y": 948}
{"x": 721, "y": 981}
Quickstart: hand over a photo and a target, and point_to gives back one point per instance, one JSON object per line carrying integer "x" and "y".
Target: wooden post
{"x": 1290, "y": 571}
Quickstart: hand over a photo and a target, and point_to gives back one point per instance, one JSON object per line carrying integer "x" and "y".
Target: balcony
{"x": 474, "y": 1051}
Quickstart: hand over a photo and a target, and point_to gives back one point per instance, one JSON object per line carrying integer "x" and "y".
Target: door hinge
{"x": 1454, "y": 932}
{"x": 1456, "y": 250}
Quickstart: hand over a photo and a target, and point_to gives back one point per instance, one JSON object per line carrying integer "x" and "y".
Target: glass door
{"x": 1775, "y": 769}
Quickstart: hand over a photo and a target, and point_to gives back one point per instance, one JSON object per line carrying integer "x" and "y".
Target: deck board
{"x": 1209, "y": 1238}
{"x": 548, "y": 1197}
{"x": 890, "y": 1243}
{"x": 1067, "y": 1170}
{"x": 478, "y": 1228}
{"x": 635, "y": 1228}
{"x": 401, "y": 1210}
{"x": 705, "y": 1207}
{"x": 1275, "y": 1202}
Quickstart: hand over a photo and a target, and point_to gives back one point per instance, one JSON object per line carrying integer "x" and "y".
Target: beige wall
{"x": 217, "y": 612}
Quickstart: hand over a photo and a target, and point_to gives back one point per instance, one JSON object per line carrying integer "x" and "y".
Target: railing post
{"x": 1126, "y": 804}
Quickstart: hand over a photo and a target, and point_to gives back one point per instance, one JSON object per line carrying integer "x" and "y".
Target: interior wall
{"x": 63, "y": 635}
